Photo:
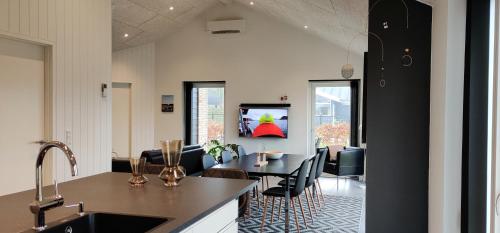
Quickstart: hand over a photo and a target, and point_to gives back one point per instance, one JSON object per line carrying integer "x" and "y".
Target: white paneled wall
{"x": 80, "y": 34}
{"x": 137, "y": 66}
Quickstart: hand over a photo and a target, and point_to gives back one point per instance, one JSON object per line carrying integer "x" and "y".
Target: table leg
{"x": 287, "y": 203}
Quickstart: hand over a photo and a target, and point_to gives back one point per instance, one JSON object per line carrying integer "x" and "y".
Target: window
{"x": 334, "y": 114}
{"x": 204, "y": 112}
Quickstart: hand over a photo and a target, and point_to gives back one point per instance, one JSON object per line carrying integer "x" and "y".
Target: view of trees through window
{"x": 332, "y": 118}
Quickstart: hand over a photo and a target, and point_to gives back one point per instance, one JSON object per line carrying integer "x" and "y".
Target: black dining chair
{"x": 241, "y": 153}
{"x": 322, "y": 153}
{"x": 226, "y": 156}
{"x": 295, "y": 192}
{"x": 311, "y": 176}
{"x": 208, "y": 161}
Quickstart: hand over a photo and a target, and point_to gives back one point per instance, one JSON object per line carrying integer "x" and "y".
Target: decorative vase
{"x": 172, "y": 173}
{"x": 138, "y": 178}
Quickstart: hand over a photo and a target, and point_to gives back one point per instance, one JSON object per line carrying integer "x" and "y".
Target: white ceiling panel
{"x": 342, "y": 22}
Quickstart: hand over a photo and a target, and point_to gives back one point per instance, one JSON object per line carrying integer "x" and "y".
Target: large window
{"x": 334, "y": 114}
{"x": 204, "y": 112}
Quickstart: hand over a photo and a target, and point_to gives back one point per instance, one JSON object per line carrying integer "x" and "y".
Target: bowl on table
{"x": 273, "y": 154}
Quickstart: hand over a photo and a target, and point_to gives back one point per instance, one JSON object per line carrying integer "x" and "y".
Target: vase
{"x": 138, "y": 178}
{"x": 172, "y": 173}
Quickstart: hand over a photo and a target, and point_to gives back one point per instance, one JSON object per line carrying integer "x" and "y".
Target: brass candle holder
{"x": 173, "y": 172}
{"x": 138, "y": 179}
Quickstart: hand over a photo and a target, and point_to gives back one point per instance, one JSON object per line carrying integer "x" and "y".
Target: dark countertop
{"x": 192, "y": 200}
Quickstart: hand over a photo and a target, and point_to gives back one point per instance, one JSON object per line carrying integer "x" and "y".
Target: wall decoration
{"x": 167, "y": 103}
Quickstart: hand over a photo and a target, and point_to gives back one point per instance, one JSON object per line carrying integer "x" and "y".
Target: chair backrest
{"x": 300, "y": 182}
{"x": 312, "y": 173}
{"x": 350, "y": 162}
{"x": 241, "y": 151}
{"x": 323, "y": 152}
{"x": 230, "y": 173}
{"x": 226, "y": 156}
{"x": 208, "y": 161}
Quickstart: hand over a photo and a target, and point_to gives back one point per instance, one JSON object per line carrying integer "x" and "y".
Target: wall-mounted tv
{"x": 257, "y": 122}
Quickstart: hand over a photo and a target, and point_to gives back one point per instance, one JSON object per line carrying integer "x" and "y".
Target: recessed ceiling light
{"x": 125, "y": 35}
{"x": 171, "y": 8}
{"x": 251, "y": 3}
{"x": 306, "y": 27}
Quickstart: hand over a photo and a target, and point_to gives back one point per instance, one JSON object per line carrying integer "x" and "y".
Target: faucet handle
{"x": 80, "y": 207}
{"x": 56, "y": 188}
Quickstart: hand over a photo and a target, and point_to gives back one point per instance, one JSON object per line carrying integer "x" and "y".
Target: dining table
{"x": 284, "y": 167}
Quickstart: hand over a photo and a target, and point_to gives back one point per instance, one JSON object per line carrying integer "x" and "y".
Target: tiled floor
{"x": 346, "y": 187}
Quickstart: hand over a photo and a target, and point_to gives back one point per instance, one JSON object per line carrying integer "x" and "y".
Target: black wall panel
{"x": 398, "y": 116}
{"x": 475, "y": 124}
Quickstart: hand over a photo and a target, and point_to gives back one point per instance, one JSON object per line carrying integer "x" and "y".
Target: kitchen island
{"x": 188, "y": 207}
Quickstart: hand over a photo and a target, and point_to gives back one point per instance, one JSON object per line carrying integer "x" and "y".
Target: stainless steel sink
{"x": 95, "y": 222}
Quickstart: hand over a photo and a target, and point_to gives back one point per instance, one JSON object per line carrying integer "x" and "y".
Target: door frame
{"x": 355, "y": 112}
{"x": 49, "y": 96}
{"x": 131, "y": 128}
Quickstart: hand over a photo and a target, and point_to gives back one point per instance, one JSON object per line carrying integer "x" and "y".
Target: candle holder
{"x": 173, "y": 172}
{"x": 138, "y": 179}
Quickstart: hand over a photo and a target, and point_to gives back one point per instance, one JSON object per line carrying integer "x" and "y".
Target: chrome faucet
{"x": 41, "y": 204}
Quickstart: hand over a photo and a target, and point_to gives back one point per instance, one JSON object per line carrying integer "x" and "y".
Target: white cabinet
{"x": 221, "y": 220}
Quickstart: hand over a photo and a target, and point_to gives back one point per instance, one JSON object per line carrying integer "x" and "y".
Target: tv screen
{"x": 263, "y": 122}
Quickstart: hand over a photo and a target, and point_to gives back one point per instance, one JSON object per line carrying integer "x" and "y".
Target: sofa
{"x": 191, "y": 160}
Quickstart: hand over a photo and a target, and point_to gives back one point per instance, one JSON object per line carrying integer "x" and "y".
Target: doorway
{"x": 22, "y": 118}
{"x": 334, "y": 114}
{"x": 122, "y": 95}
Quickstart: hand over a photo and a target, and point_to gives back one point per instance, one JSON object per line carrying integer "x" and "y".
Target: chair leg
{"x": 302, "y": 210}
{"x": 263, "y": 184}
{"x": 295, "y": 214}
{"x": 320, "y": 192}
{"x": 272, "y": 210}
{"x": 309, "y": 206}
{"x": 267, "y": 181}
{"x": 312, "y": 200}
{"x": 264, "y": 214}
{"x": 317, "y": 197}
{"x": 279, "y": 209}
{"x": 257, "y": 191}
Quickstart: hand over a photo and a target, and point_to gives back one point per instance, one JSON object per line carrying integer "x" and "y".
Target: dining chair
{"x": 241, "y": 151}
{"x": 323, "y": 152}
{"x": 294, "y": 193}
{"x": 208, "y": 161}
{"x": 311, "y": 176}
{"x": 226, "y": 156}
{"x": 243, "y": 201}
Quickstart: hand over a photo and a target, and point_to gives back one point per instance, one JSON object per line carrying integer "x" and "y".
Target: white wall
{"x": 447, "y": 80}
{"x": 136, "y": 66}
{"x": 269, "y": 60}
{"x": 79, "y": 33}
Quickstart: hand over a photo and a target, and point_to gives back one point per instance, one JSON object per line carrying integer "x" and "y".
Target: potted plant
{"x": 215, "y": 148}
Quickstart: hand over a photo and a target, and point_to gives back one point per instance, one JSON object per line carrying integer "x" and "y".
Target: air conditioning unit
{"x": 226, "y": 26}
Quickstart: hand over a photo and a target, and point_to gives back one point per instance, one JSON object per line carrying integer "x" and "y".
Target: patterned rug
{"x": 341, "y": 214}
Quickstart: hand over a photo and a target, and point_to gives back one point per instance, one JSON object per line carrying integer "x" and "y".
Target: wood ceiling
{"x": 337, "y": 21}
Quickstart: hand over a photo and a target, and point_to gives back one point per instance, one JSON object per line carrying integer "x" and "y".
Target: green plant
{"x": 215, "y": 148}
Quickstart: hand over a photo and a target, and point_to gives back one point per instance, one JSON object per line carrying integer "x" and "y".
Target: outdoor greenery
{"x": 335, "y": 136}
